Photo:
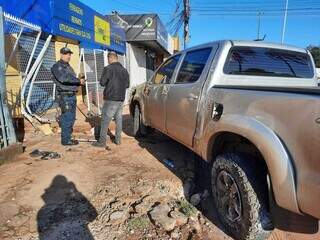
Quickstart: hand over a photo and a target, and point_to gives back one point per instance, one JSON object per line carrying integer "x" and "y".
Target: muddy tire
{"x": 139, "y": 129}
{"x": 241, "y": 197}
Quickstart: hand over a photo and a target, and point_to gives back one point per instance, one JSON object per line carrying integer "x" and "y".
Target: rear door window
{"x": 193, "y": 65}
{"x": 269, "y": 62}
{"x": 165, "y": 72}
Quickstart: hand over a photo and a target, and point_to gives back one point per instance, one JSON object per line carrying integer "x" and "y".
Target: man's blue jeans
{"x": 68, "y": 106}
{"x": 111, "y": 109}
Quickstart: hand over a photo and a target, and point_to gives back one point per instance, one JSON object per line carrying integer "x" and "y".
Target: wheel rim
{"x": 228, "y": 196}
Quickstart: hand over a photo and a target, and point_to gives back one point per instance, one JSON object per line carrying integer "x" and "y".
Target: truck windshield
{"x": 270, "y": 62}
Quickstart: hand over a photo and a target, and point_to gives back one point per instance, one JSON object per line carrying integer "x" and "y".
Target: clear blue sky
{"x": 232, "y": 19}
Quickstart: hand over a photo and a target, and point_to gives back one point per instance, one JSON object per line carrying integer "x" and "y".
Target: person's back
{"x": 115, "y": 80}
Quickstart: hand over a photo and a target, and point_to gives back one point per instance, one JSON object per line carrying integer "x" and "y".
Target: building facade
{"x": 141, "y": 41}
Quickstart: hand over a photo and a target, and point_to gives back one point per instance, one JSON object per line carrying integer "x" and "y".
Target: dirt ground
{"x": 126, "y": 193}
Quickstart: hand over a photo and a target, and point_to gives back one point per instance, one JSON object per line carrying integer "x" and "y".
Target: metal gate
{"x": 93, "y": 62}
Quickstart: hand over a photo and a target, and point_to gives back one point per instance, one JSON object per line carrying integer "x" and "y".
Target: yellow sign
{"x": 101, "y": 31}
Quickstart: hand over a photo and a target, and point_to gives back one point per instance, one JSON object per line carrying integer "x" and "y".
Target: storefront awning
{"x": 71, "y": 19}
{"x": 144, "y": 29}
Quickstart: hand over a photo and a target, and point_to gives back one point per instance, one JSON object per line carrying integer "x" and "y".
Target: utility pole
{"x": 259, "y": 25}
{"x": 186, "y": 13}
{"x": 284, "y": 21}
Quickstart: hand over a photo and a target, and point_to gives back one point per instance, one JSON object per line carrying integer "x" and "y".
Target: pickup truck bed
{"x": 293, "y": 114}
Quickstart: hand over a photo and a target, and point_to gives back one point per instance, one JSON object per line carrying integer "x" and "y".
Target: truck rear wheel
{"x": 240, "y": 195}
{"x": 138, "y": 127}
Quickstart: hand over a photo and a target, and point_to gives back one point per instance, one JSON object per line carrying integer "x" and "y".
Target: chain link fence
{"x": 21, "y": 40}
{"x": 40, "y": 100}
{"x": 30, "y": 57}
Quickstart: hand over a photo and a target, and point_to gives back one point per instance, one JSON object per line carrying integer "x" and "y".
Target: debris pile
{"x": 146, "y": 210}
{"x": 44, "y": 155}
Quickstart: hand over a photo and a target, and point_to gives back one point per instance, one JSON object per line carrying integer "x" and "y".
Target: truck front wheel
{"x": 240, "y": 195}
{"x": 138, "y": 127}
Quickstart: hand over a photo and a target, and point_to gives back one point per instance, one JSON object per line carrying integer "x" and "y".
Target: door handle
{"x": 147, "y": 90}
{"x": 193, "y": 97}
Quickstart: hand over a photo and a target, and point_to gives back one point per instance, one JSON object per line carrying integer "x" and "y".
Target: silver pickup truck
{"x": 251, "y": 110}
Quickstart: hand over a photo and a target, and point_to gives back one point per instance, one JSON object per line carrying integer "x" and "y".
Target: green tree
{"x": 315, "y": 51}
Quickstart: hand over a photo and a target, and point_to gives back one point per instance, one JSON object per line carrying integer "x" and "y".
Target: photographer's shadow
{"x": 66, "y": 212}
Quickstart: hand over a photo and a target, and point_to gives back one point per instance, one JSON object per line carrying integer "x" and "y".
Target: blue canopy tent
{"x": 71, "y": 19}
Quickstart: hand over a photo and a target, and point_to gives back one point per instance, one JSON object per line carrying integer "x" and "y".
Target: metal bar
{"x": 44, "y": 81}
{"x": 54, "y": 91}
{"x": 25, "y": 74}
{"x": 97, "y": 82}
{"x": 2, "y": 82}
{"x": 8, "y": 124}
{"x": 79, "y": 65}
{"x": 3, "y": 127}
{"x": 32, "y": 53}
{"x": 14, "y": 48}
{"x": 31, "y": 86}
{"x": 32, "y": 71}
{"x": 85, "y": 75}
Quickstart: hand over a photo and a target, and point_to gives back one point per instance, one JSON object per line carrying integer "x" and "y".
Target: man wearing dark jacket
{"x": 115, "y": 80}
{"x": 67, "y": 86}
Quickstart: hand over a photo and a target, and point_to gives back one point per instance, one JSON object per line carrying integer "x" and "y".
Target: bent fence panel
{"x": 28, "y": 56}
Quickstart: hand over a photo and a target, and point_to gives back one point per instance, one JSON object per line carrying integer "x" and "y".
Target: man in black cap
{"x": 67, "y": 85}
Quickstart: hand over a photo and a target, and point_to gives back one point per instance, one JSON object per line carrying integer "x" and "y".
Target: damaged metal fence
{"x": 31, "y": 57}
{"x": 40, "y": 100}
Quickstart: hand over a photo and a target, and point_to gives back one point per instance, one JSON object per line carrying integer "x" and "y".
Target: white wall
{"x": 137, "y": 65}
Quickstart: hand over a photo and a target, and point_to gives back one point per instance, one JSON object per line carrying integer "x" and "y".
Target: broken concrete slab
{"x": 160, "y": 216}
